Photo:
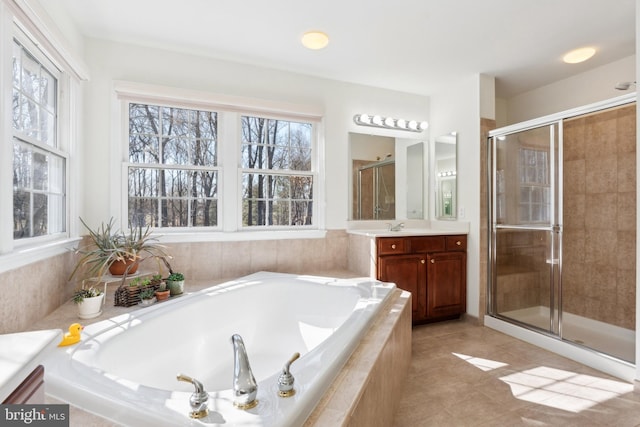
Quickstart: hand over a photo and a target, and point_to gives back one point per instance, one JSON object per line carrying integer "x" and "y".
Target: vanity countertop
{"x": 21, "y": 353}
{"x": 407, "y": 232}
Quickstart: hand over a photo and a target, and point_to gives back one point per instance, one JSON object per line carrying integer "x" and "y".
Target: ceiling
{"x": 415, "y": 46}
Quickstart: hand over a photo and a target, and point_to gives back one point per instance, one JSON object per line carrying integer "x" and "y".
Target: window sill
{"x": 30, "y": 254}
{"x": 239, "y": 236}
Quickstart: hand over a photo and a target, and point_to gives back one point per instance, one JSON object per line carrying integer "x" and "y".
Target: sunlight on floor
{"x": 483, "y": 364}
{"x": 555, "y": 388}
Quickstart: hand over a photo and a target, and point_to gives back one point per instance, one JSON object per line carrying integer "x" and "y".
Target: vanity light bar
{"x": 390, "y": 123}
{"x": 447, "y": 173}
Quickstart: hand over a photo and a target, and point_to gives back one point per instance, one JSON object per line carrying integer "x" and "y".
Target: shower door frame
{"x": 555, "y": 331}
{"x": 554, "y": 227}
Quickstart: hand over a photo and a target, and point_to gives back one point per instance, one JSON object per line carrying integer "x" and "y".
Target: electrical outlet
{"x": 460, "y": 212}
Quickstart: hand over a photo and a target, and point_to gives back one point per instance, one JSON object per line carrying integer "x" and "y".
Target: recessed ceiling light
{"x": 315, "y": 40}
{"x": 579, "y": 55}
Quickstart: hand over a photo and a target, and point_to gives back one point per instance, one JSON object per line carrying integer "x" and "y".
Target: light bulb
{"x": 413, "y": 125}
{"x": 401, "y": 123}
{"x": 388, "y": 122}
{"x": 377, "y": 120}
{"x": 424, "y": 125}
{"x": 364, "y": 118}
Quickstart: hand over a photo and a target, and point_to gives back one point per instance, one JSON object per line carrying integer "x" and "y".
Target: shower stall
{"x": 375, "y": 190}
{"x": 562, "y": 223}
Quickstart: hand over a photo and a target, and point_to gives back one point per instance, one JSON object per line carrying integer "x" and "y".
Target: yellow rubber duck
{"x": 73, "y": 336}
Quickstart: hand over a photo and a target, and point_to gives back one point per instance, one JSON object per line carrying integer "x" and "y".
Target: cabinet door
{"x": 408, "y": 272}
{"x": 447, "y": 284}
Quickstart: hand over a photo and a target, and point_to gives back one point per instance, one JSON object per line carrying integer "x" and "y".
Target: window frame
{"x": 61, "y": 147}
{"x": 17, "y": 21}
{"x": 230, "y": 109}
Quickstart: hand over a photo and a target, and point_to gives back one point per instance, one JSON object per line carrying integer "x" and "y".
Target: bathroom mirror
{"x": 445, "y": 175}
{"x": 387, "y": 177}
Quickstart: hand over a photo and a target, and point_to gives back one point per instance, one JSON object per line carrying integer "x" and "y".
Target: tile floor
{"x": 468, "y": 375}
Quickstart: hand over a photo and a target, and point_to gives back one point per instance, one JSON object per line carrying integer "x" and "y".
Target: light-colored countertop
{"x": 21, "y": 353}
{"x": 409, "y": 228}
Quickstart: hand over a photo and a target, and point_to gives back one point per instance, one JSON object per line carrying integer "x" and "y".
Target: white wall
{"x": 340, "y": 101}
{"x": 581, "y": 89}
{"x": 458, "y": 109}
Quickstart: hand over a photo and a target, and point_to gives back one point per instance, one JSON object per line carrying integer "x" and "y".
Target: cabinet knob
{"x": 393, "y": 246}
{"x": 422, "y": 261}
{"x": 458, "y": 243}
{"x": 433, "y": 261}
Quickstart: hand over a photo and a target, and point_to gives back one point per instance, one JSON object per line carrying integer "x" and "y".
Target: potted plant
{"x": 89, "y": 302}
{"x": 163, "y": 292}
{"x": 175, "y": 282}
{"x": 147, "y": 297}
{"x": 109, "y": 248}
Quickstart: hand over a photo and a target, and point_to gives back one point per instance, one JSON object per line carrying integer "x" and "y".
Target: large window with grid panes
{"x": 175, "y": 174}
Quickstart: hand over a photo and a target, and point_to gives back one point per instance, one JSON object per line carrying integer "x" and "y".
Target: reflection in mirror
{"x": 387, "y": 177}
{"x": 373, "y": 177}
{"x": 415, "y": 181}
{"x": 445, "y": 171}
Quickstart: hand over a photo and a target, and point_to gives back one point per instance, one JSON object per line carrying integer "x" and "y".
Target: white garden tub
{"x": 125, "y": 367}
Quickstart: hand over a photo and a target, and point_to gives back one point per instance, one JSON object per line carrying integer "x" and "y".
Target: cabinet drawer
{"x": 456, "y": 243}
{"x": 391, "y": 245}
{"x": 427, "y": 244}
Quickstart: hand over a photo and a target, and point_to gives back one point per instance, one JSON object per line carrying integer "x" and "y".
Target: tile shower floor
{"x": 467, "y": 375}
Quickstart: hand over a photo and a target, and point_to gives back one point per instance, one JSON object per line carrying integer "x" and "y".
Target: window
{"x": 215, "y": 168}
{"x": 39, "y": 205}
{"x": 277, "y": 180}
{"x": 173, "y": 174}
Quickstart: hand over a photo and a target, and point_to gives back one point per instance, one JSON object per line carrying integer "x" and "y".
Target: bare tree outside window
{"x": 277, "y": 178}
{"x": 173, "y": 173}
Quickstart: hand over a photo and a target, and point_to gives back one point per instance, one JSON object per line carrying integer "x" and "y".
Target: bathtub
{"x": 125, "y": 367}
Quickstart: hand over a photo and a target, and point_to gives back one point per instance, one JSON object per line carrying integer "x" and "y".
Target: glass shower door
{"x": 525, "y": 231}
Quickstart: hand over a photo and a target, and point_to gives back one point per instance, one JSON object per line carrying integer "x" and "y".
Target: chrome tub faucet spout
{"x": 245, "y": 388}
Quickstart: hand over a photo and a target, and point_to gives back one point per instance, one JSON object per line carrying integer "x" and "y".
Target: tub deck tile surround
{"x": 367, "y": 390}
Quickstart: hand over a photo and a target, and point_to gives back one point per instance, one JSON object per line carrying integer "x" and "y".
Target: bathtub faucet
{"x": 245, "y": 388}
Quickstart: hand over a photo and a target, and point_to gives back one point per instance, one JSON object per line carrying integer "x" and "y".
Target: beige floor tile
{"x": 468, "y": 375}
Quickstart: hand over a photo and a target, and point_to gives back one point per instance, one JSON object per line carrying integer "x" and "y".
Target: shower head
{"x": 624, "y": 85}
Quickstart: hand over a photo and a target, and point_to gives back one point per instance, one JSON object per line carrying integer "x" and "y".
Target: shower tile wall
{"x": 599, "y": 216}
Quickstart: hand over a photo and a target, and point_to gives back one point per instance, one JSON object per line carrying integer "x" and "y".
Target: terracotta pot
{"x": 162, "y": 295}
{"x": 118, "y": 268}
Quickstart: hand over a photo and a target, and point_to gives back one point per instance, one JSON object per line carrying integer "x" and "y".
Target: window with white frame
{"x": 174, "y": 173}
{"x": 277, "y": 177}
{"x": 535, "y": 187}
{"x": 39, "y": 163}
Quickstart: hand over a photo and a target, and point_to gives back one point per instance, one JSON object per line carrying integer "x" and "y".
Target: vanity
{"x": 391, "y": 235}
{"x": 429, "y": 263}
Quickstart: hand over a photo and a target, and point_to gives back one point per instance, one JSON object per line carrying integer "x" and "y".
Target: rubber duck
{"x": 73, "y": 336}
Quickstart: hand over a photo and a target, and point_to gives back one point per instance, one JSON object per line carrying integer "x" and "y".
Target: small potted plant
{"x": 163, "y": 292}
{"x": 147, "y": 297}
{"x": 175, "y": 282}
{"x": 89, "y": 302}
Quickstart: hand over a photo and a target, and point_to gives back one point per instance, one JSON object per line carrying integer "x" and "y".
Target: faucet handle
{"x": 198, "y": 399}
{"x": 286, "y": 380}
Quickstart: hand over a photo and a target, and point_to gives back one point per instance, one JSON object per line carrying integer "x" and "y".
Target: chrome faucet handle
{"x": 198, "y": 399}
{"x": 286, "y": 380}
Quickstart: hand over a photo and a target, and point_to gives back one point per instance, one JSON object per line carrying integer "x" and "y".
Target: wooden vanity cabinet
{"x": 432, "y": 268}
